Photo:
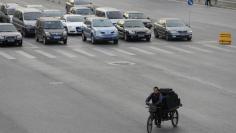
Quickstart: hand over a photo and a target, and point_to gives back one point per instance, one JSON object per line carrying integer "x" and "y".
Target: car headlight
{"x": 131, "y": 32}
{"x": 1, "y": 37}
{"x": 47, "y": 34}
{"x": 190, "y": 31}
{"x": 148, "y": 31}
{"x": 64, "y": 33}
{"x": 19, "y": 37}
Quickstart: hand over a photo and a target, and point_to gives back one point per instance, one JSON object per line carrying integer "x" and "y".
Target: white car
{"x": 73, "y": 23}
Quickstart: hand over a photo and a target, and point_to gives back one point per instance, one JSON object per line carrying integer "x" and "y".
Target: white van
{"x": 111, "y": 13}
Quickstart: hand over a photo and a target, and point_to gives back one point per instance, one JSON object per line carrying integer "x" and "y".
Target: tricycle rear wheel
{"x": 174, "y": 118}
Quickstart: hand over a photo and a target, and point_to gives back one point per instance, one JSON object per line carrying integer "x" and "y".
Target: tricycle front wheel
{"x": 149, "y": 124}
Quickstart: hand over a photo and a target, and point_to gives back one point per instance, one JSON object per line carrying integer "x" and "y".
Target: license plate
{"x": 10, "y": 40}
{"x": 57, "y": 37}
{"x": 140, "y": 35}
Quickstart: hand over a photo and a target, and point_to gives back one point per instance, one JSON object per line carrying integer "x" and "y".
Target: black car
{"x": 172, "y": 28}
{"x": 133, "y": 29}
{"x": 50, "y": 30}
{"x": 9, "y": 35}
{"x": 139, "y": 15}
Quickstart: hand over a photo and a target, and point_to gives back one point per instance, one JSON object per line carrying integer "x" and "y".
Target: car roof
{"x": 94, "y": 17}
{"x": 6, "y": 24}
{"x": 134, "y": 12}
{"x": 23, "y": 9}
{"x": 80, "y": 7}
{"x": 68, "y": 15}
{"x": 170, "y": 19}
{"x": 105, "y": 9}
{"x": 48, "y": 19}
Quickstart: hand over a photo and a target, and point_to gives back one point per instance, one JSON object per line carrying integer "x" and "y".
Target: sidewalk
{"x": 231, "y": 4}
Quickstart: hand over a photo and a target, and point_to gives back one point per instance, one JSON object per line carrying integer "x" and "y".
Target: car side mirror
{"x": 148, "y": 18}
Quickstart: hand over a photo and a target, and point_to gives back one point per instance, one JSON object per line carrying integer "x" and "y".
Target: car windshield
{"x": 53, "y": 25}
{"x": 53, "y": 13}
{"x": 137, "y": 16}
{"x": 174, "y": 23}
{"x": 75, "y": 19}
{"x": 102, "y": 23}
{"x": 32, "y": 15}
{"x": 10, "y": 11}
{"x": 133, "y": 24}
{"x": 114, "y": 15}
{"x": 7, "y": 28}
{"x": 84, "y": 11}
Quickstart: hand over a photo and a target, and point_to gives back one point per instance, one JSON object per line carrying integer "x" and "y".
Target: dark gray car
{"x": 9, "y": 35}
{"x": 172, "y": 28}
{"x": 50, "y": 30}
{"x": 133, "y": 29}
{"x": 139, "y": 15}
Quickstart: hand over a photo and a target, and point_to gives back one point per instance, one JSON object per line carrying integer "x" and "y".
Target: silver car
{"x": 9, "y": 35}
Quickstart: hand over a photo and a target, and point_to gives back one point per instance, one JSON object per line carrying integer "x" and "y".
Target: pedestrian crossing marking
{"x": 141, "y": 50}
{"x": 179, "y": 49}
{"x": 7, "y": 56}
{"x": 123, "y": 51}
{"x": 67, "y": 54}
{"x": 217, "y": 48}
{"x": 30, "y": 44}
{"x": 104, "y": 52}
{"x": 25, "y": 54}
{"x": 200, "y": 49}
{"x": 84, "y": 52}
{"x": 45, "y": 54}
{"x": 161, "y": 50}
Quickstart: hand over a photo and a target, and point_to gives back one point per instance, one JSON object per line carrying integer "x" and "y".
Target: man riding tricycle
{"x": 165, "y": 103}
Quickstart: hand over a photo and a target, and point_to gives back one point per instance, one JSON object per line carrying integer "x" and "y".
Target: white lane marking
{"x": 200, "y": 49}
{"x": 30, "y": 44}
{"x": 84, "y": 52}
{"x": 104, "y": 52}
{"x": 25, "y": 54}
{"x": 231, "y": 46}
{"x": 7, "y": 56}
{"x": 123, "y": 51}
{"x": 141, "y": 50}
{"x": 45, "y": 54}
{"x": 161, "y": 50}
{"x": 66, "y": 53}
{"x": 203, "y": 42}
{"x": 179, "y": 49}
{"x": 217, "y": 47}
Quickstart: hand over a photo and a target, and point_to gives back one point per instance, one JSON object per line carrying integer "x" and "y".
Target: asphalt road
{"x": 84, "y": 88}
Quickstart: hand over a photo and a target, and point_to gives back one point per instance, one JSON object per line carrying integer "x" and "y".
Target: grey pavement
{"x": 101, "y": 88}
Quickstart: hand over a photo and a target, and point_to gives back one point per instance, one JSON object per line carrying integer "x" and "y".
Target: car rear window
{"x": 84, "y": 11}
{"x": 114, "y": 15}
{"x": 53, "y": 13}
{"x": 32, "y": 15}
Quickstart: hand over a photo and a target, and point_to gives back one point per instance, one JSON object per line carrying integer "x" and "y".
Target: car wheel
{"x": 20, "y": 43}
{"x": 65, "y": 42}
{"x": 115, "y": 41}
{"x": 45, "y": 42}
{"x": 84, "y": 37}
{"x": 189, "y": 38}
{"x": 93, "y": 39}
{"x": 167, "y": 37}
{"x": 36, "y": 38}
{"x": 148, "y": 39}
{"x": 126, "y": 37}
{"x": 156, "y": 33}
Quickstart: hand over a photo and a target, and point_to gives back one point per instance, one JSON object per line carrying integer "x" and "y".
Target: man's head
{"x": 156, "y": 89}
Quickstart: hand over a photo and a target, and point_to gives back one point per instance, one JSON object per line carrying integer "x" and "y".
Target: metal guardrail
{"x": 218, "y": 3}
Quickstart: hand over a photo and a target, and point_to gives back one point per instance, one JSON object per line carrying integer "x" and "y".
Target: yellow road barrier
{"x": 225, "y": 38}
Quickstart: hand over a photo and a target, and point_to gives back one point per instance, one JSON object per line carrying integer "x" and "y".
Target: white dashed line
{"x": 66, "y": 53}
{"x": 161, "y": 50}
{"x": 123, "y": 51}
{"x": 25, "y": 54}
{"x": 141, "y": 50}
{"x": 104, "y": 52}
{"x": 45, "y": 54}
{"x": 84, "y": 52}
